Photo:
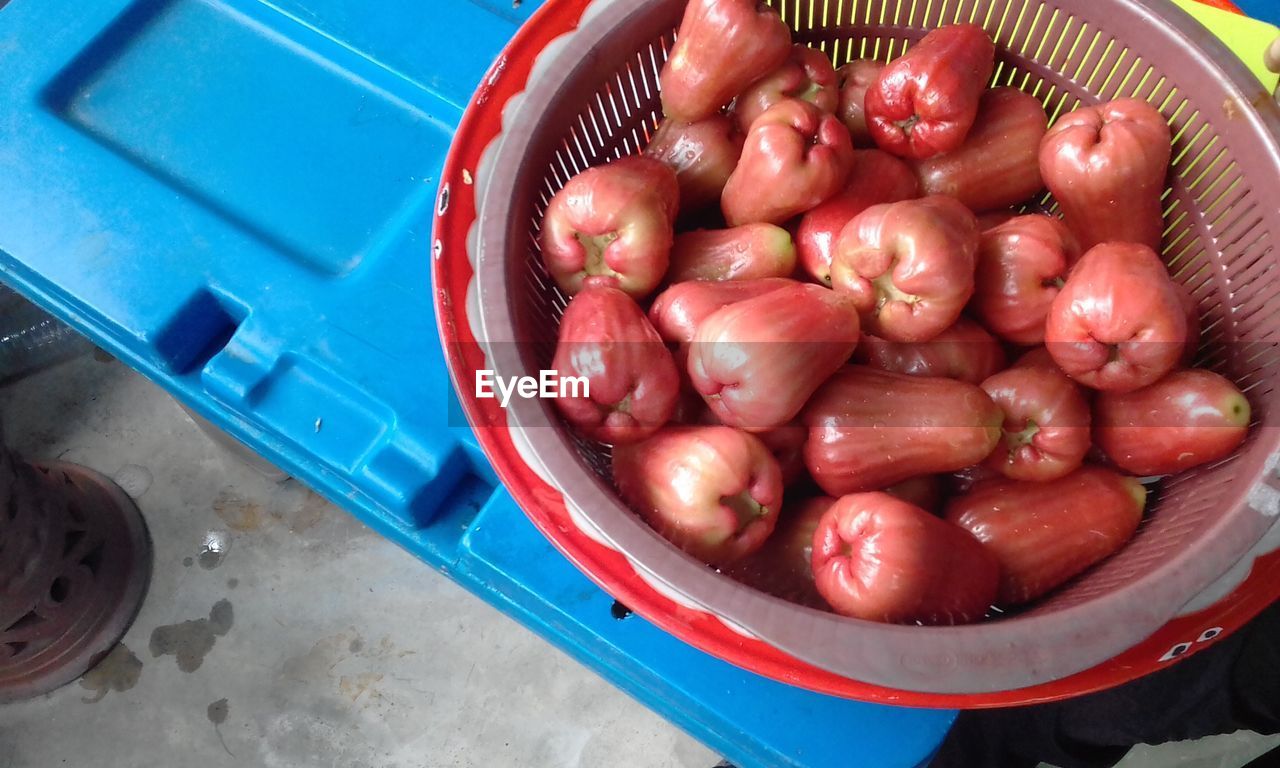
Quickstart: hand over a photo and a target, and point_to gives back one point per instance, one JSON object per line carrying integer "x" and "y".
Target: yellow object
{"x": 1248, "y": 38}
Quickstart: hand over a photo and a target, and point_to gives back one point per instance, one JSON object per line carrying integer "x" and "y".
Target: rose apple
{"x": 714, "y": 492}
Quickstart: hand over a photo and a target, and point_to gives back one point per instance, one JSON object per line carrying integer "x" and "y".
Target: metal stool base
{"x": 75, "y": 563}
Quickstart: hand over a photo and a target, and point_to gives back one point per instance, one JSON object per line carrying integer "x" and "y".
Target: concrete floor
{"x": 321, "y": 643}
{"x": 280, "y": 632}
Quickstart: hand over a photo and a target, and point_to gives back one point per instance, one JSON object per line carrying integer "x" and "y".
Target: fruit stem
{"x": 595, "y": 246}
{"x": 810, "y": 94}
{"x": 887, "y": 291}
{"x": 1023, "y": 436}
{"x": 745, "y": 508}
{"x": 908, "y": 124}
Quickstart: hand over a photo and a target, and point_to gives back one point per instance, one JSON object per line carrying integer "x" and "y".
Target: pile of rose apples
{"x": 833, "y": 360}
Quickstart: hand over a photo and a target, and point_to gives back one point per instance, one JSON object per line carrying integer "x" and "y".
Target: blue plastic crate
{"x": 1266, "y": 10}
{"x": 234, "y": 197}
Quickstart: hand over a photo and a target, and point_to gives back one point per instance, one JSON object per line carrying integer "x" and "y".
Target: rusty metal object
{"x": 75, "y": 562}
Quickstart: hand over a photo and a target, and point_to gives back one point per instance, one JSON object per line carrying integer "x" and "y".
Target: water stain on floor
{"x": 246, "y": 516}
{"x": 217, "y": 712}
{"x": 355, "y": 686}
{"x": 309, "y": 514}
{"x": 339, "y": 658}
{"x": 319, "y": 661}
{"x": 238, "y": 513}
{"x": 118, "y": 671}
{"x": 190, "y": 641}
{"x": 210, "y": 559}
{"x": 214, "y": 549}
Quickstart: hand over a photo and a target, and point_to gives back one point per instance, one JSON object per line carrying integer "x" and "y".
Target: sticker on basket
{"x": 442, "y": 202}
{"x": 1179, "y": 649}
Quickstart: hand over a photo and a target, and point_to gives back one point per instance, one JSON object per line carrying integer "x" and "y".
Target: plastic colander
{"x": 578, "y": 87}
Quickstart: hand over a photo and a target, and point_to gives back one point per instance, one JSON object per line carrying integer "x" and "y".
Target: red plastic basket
{"x": 1121, "y": 621}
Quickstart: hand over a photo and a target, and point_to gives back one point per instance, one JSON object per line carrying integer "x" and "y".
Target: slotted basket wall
{"x": 594, "y": 97}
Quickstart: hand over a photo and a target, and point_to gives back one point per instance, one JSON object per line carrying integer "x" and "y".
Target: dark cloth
{"x": 1233, "y": 685}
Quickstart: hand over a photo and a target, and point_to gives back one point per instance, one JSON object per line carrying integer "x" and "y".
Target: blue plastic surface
{"x": 234, "y": 197}
{"x": 1267, "y": 10}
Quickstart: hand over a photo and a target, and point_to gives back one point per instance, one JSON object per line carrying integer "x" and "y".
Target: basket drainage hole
{"x": 60, "y": 589}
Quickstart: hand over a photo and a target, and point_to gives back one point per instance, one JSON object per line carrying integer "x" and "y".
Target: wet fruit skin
{"x": 723, "y": 46}
{"x": 854, "y": 79}
{"x": 713, "y": 491}
{"x": 925, "y": 102}
{"x": 678, "y": 311}
{"x": 702, "y": 154}
{"x": 878, "y": 558}
{"x": 1118, "y": 323}
{"x": 1022, "y": 265}
{"x": 998, "y": 165}
{"x": 1046, "y": 423}
{"x": 807, "y": 75}
{"x": 870, "y": 429}
{"x": 965, "y": 352}
{"x": 1107, "y": 165}
{"x": 877, "y": 177}
{"x": 909, "y": 266}
{"x": 1045, "y": 533}
{"x": 749, "y": 252}
{"x": 795, "y": 157}
{"x": 614, "y": 221}
{"x": 757, "y": 362}
{"x": 632, "y": 380}
{"x": 1186, "y": 419}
